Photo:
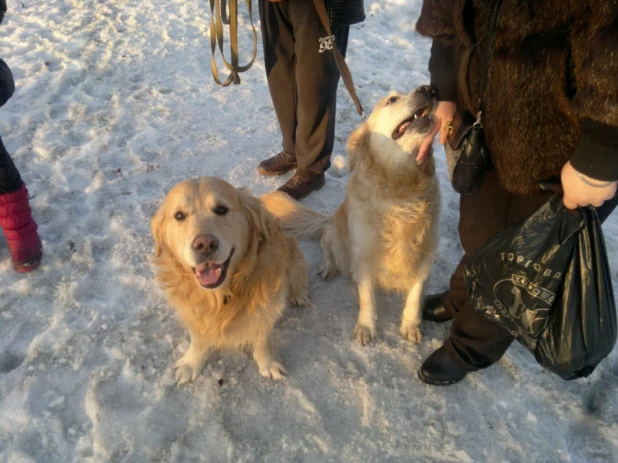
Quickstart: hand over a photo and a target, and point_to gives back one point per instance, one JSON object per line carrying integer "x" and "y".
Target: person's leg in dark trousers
{"x": 317, "y": 78}
{"x": 302, "y": 77}
{"x": 279, "y": 60}
{"x": 10, "y": 179}
{"x": 476, "y": 342}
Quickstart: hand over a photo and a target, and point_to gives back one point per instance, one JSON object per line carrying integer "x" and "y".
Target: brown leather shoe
{"x": 300, "y": 185}
{"x": 278, "y": 164}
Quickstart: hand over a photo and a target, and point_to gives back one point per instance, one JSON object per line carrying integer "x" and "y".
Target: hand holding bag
{"x": 547, "y": 281}
{"x": 466, "y": 153}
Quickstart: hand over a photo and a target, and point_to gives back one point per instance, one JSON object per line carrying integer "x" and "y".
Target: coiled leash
{"x": 219, "y": 17}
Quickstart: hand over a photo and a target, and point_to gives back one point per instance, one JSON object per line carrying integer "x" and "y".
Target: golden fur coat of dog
{"x": 386, "y": 231}
{"x": 228, "y": 269}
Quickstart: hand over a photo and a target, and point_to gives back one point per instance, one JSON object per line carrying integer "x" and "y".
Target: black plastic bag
{"x": 547, "y": 281}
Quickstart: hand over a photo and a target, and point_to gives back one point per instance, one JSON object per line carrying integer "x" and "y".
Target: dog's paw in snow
{"x": 188, "y": 368}
{"x": 326, "y": 272}
{"x": 411, "y": 333}
{"x": 302, "y": 301}
{"x": 272, "y": 370}
{"x": 364, "y": 334}
{"x": 327, "y": 266}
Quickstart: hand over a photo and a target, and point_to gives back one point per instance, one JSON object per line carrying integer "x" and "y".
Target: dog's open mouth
{"x": 423, "y": 113}
{"x": 211, "y": 274}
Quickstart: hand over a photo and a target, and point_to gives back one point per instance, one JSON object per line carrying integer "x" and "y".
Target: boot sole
{"x": 433, "y": 382}
{"x": 271, "y": 173}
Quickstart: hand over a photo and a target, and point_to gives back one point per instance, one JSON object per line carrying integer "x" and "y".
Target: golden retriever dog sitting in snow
{"x": 386, "y": 231}
{"x": 228, "y": 269}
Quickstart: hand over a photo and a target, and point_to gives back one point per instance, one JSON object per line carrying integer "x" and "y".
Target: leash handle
{"x": 219, "y": 17}
{"x": 346, "y": 76}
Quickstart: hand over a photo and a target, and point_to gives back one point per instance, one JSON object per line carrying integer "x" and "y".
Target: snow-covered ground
{"x": 115, "y": 104}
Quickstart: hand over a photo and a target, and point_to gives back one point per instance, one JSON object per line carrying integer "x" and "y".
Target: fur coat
{"x": 553, "y": 72}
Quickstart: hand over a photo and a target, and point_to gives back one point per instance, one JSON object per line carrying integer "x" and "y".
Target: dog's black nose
{"x": 426, "y": 90}
{"x": 205, "y": 243}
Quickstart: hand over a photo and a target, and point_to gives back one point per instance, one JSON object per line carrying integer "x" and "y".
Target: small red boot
{"x": 20, "y": 230}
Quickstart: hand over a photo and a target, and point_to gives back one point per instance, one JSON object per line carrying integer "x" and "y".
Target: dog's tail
{"x": 297, "y": 219}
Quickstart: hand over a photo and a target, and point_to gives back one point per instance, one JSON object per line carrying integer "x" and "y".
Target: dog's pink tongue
{"x": 208, "y": 274}
{"x": 403, "y": 127}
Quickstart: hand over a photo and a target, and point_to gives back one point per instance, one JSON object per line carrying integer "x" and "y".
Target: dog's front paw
{"x": 301, "y": 301}
{"x": 364, "y": 334}
{"x": 327, "y": 270}
{"x": 272, "y": 370}
{"x": 411, "y": 333}
{"x": 187, "y": 369}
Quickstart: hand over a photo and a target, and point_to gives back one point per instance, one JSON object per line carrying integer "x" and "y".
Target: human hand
{"x": 578, "y": 193}
{"x": 445, "y": 111}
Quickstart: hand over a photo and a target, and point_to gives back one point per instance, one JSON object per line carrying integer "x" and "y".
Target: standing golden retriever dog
{"x": 386, "y": 231}
{"x": 228, "y": 269}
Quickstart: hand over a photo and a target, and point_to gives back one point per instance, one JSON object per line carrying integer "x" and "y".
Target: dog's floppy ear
{"x": 265, "y": 223}
{"x": 358, "y": 143}
{"x": 157, "y": 224}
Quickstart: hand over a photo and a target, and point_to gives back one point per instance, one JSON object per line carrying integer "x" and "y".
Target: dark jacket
{"x": 551, "y": 94}
{"x": 344, "y": 12}
{"x": 2, "y": 9}
{"x": 7, "y": 84}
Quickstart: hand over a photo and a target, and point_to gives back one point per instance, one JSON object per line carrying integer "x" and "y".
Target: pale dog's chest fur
{"x": 249, "y": 326}
{"x": 396, "y": 235}
{"x": 246, "y": 327}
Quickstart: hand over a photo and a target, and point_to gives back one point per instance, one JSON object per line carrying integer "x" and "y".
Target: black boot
{"x": 433, "y": 309}
{"x": 440, "y": 369}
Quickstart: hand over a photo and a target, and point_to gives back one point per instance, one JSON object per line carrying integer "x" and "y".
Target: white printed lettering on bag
{"x": 547, "y": 272}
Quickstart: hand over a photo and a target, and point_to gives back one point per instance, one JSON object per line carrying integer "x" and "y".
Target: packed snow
{"x": 115, "y": 104}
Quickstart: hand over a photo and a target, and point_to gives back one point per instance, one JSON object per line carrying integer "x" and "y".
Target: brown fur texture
{"x": 531, "y": 117}
{"x": 266, "y": 270}
{"x": 386, "y": 231}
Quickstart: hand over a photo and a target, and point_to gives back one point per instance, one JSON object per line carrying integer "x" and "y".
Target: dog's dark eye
{"x": 392, "y": 100}
{"x": 220, "y": 210}
{"x": 180, "y": 216}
